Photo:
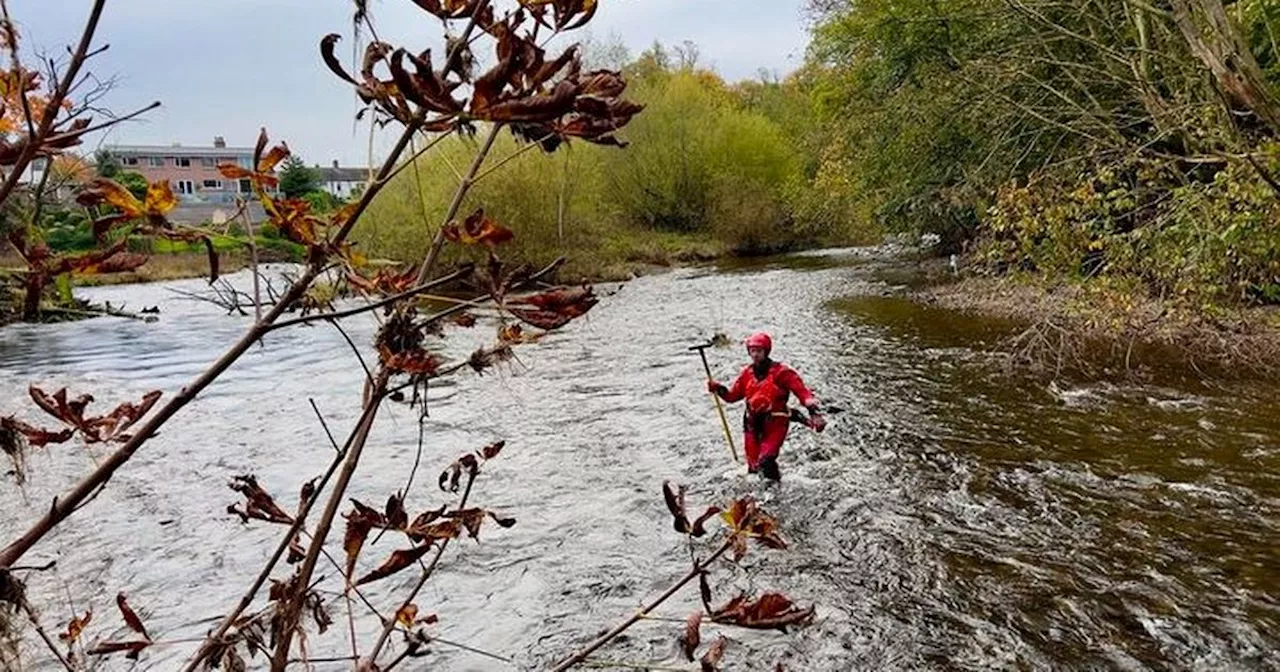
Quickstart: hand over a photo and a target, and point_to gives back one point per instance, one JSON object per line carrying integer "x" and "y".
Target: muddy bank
{"x": 1108, "y": 331}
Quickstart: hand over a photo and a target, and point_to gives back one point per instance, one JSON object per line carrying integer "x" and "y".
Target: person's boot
{"x": 769, "y": 469}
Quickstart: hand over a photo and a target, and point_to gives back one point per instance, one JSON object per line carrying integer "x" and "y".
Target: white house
{"x": 343, "y": 182}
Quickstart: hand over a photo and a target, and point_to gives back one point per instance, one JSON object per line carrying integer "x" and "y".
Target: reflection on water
{"x": 950, "y": 518}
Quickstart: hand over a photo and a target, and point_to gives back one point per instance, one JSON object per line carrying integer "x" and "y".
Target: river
{"x": 952, "y": 517}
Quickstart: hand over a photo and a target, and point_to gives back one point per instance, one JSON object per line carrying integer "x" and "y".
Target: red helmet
{"x": 760, "y": 340}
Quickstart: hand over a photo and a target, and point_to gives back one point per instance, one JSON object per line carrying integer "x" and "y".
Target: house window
{"x": 38, "y": 164}
{"x": 182, "y": 162}
{"x": 246, "y": 186}
{"x": 211, "y": 184}
{"x": 129, "y": 160}
{"x": 206, "y": 162}
{"x": 186, "y": 187}
{"x": 156, "y": 161}
{"x": 245, "y": 162}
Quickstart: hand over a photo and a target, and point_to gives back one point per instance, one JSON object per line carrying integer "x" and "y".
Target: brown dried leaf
{"x": 491, "y": 451}
{"x": 123, "y": 417}
{"x": 501, "y": 520}
{"x": 327, "y": 45}
{"x": 711, "y": 659}
{"x": 412, "y": 362}
{"x": 692, "y": 636}
{"x": 770, "y": 611}
{"x": 132, "y": 648}
{"x": 397, "y": 562}
{"x": 232, "y": 662}
{"x": 484, "y": 358}
{"x": 555, "y": 308}
{"x": 259, "y": 504}
{"x": 464, "y": 319}
{"x": 426, "y": 518}
{"x": 704, "y": 589}
{"x": 699, "y": 528}
{"x": 453, "y": 474}
{"x": 359, "y": 523}
{"x": 471, "y": 519}
{"x": 47, "y": 403}
{"x": 130, "y": 616}
{"x": 675, "y": 504}
{"x": 533, "y": 108}
{"x": 296, "y": 552}
{"x": 36, "y": 436}
{"x": 448, "y": 529}
{"x": 396, "y": 517}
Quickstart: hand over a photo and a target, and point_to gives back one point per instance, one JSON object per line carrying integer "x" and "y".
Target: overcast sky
{"x": 227, "y": 67}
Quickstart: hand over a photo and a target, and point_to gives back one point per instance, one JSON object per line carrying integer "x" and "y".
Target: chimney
{"x": 335, "y": 163}
{"x": 219, "y": 142}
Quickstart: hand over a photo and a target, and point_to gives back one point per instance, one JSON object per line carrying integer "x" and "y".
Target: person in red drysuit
{"x": 767, "y": 385}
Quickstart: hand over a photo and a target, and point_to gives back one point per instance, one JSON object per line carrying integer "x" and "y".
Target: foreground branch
{"x": 211, "y": 642}
{"x": 54, "y": 105}
{"x": 292, "y": 606}
{"x": 68, "y": 503}
{"x": 698, "y": 568}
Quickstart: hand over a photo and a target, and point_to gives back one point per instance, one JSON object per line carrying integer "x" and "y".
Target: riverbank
{"x": 615, "y": 261}
{"x": 1108, "y": 329}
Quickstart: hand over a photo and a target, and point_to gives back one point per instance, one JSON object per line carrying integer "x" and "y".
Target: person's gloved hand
{"x": 817, "y": 422}
{"x": 713, "y": 387}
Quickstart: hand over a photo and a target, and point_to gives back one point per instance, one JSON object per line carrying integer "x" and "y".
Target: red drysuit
{"x": 765, "y": 421}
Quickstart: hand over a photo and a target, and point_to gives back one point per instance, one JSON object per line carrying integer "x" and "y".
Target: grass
{"x": 179, "y": 261}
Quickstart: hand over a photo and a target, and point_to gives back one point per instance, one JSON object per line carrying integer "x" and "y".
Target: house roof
{"x": 330, "y": 174}
{"x": 179, "y": 150}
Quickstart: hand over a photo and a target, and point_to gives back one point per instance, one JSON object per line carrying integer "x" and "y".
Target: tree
{"x": 135, "y": 183}
{"x": 106, "y": 164}
{"x": 296, "y": 179}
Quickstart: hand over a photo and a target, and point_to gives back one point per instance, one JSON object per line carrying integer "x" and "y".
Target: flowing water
{"x": 951, "y": 517}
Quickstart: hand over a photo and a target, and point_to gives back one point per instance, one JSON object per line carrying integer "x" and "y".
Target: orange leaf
{"x": 75, "y": 627}
{"x": 160, "y": 198}
{"x": 478, "y": 229}
{"x": 116, "y": 263}
{"x": 102, "y": 190}
{"x": 233, "y": 172}
{"x": 406, "y": 615}
{"x": 274, "y": 156}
